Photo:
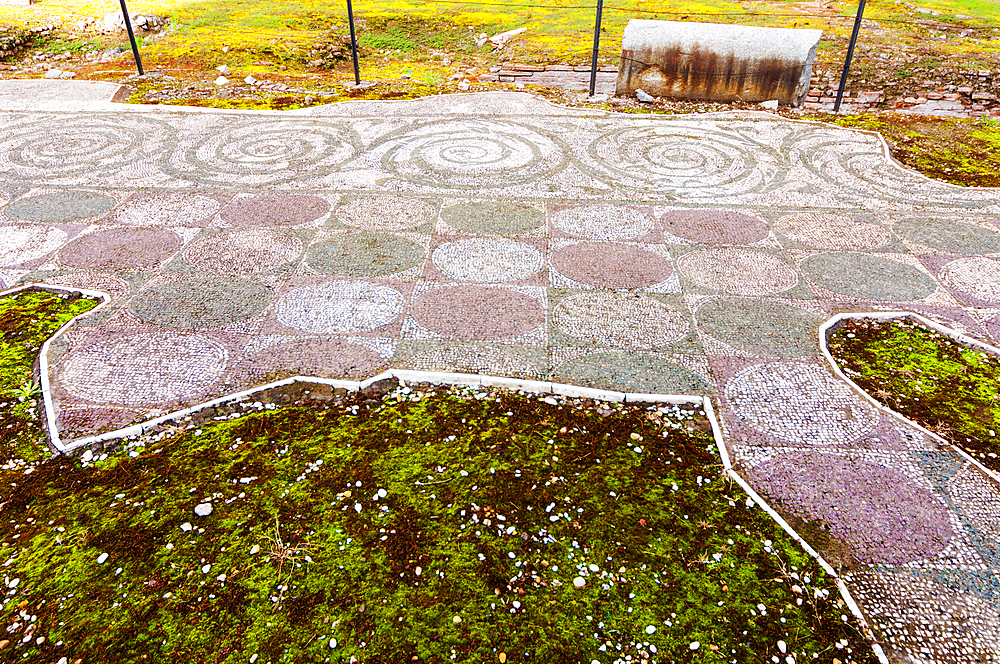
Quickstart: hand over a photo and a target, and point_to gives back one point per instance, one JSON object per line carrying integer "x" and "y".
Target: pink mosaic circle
{"x": 714, "y": 226}
{"x": 278, "y": 210}
{"x": 121, "y": 248}
{"x": 478, "y": 312}
{"x": 326, "y": 358}
{"x": 144, "y": 368}
{"x": 611, "y": 265}
{"x": 737, "y": 271}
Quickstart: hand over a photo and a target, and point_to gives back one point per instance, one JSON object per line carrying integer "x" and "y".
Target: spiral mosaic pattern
{"x": 262, "y": 152}
{"x": 487, "y": 260}
{"x": 80, "y": 148}
{"x": 243, "y": 252}
{"x": 799, "y": 403}
{"x": 338, "y": 307}
{"x": 144, "y": 368}
{"x": 471, "y": 154}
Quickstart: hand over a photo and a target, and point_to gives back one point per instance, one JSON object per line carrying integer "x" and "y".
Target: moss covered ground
{"x": 935, "y": 381}
{"x": 416, "y": 525}
{"x": 27, "y": 319}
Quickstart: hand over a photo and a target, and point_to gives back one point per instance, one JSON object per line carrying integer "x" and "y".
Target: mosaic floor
{"x": 495, "y": 233}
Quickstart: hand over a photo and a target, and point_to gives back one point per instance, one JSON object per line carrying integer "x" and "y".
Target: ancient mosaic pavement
{"x": 498, "y": 234}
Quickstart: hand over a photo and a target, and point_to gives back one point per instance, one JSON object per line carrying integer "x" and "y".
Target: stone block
{"x": 716, "y": 62}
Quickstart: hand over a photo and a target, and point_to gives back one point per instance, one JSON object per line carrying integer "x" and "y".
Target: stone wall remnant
{"x": 716, "y": 62}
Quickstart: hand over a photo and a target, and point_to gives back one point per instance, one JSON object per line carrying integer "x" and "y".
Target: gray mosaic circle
{"x": 630, "y": 372}
{"x": 471, "y": 154}
{"x": 243, "y": 252}
{"x": 364, "y": 255}
{"x": 764, "y": 328}
{"x": 493, "y": 217}
{"x": 978, "y": 276}
{"x": 23, "y": 243}
{"x": 478, "y": 312}
{"x": 603, "y": 222}
{"x": 281, "y": 210}
{"x": 145, "y": 368}
{"x": 626, "y": 320}
{"x": 58, "y": 207}
{"x": 121, "y": 249}
{"x": 200, "y": 302}
{"x": 799, "y": 403}
{"x": 167, "y": 210}
{"x": 832, "y": 231}
{"x": 338, "y": 307}
{"x": 737, "y": 271}
{"x": 486, "y": 259}
{"x": 387, "y": 213}
{"x": 868, "y": 277}
{"x": 950, "y": 235}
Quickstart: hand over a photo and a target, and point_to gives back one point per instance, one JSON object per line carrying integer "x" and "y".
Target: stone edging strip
{"x": 963, "y": 339}
{"x": 471, "y": 380}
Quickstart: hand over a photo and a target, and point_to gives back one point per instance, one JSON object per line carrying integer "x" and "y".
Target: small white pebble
{"x": 101, "y": 558}
{"x": 650, "y": 629}
{"x": 457, "y": 619}
{"x": 694, "y": 645}
{"x": 579, "y": 582}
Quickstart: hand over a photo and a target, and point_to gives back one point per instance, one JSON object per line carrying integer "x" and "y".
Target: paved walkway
{"x": 496, "y": 233}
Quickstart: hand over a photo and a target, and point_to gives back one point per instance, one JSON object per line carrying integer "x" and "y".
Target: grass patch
{"x": 959, "y": 151}
{"x": 426, "y": 525}
{"x": 939, "y": 383}
{"x": 27, "y": 319}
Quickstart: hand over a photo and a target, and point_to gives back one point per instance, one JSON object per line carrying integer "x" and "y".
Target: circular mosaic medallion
{"x": 478, "y": 312}
{"x": 470, "y": 154}
{"x": 714, "y": 226}
{"x": 121, "y": 249}
{"x": 868, "y": 277}
{"x": 23, "y": 243}
{"x": 60, "y": 207}
{"x": 762, "y": 328}
{"x": 260, "y": 151}
{"x": 276, "y": 211}
{"x": 603, "y": 222}
{"x": 493, "y": 218}
{"x": 243, "y": 252}
{"x": 619, "y": 319}
{"x": 387, "y": 213}
{"x": 979, "y": 277}
{"x": 487, "y": 259}
{"x": 737, "y": 271}
{"x": 167, "y": 210}
{"x": 949, "y": 235}
{"x": 200, "y": 302}
{"x": 883, "y": 514}
{"x": 799, "y": 403}
{"x": 832, "y": 231}
{"x": 339, "y": 307}
{"x": 365, "y": 255}
{"x": 326, "y": 358}
{"x": 145, "y": 368}
{"x": 62, "y": 147}
{"x": 611, "y": 265}
{"x": 630, "y": 372}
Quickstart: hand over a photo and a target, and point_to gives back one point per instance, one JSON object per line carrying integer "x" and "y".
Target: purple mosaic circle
{"x": 288, "y": 210}
{"x": 477, "y": 312}
{"x": 611, "y": 265}
{"x": 325, "y": 358}
{"x": 714, "y": 226}
{"x": 121, "y": 248}
{"x": 880, "y": 512}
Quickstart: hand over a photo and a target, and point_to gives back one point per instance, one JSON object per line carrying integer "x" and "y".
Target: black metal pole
{"x": 850, "y": 54}
{"x": 597, "y": 43}
{"x": 354, "y": 43}
{"x": 131, "y": 37}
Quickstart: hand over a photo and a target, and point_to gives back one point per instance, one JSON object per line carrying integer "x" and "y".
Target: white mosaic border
{"x": 965, "y": 340}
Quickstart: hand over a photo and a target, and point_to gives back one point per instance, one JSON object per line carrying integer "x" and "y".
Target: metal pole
{"x": 597, "y": 43}
{"x": 131, "y": 37}
{"x": 850, "y": 54}
{"x": 354, "y": 43}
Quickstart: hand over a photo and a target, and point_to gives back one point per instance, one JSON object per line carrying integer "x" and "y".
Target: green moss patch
{"x": 425, "y": 525}
{"x": 935, "y": 381}
{"x": 27, "y": 319}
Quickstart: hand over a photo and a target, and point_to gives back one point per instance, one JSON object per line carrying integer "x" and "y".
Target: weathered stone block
{"x": 716, "y": 62}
